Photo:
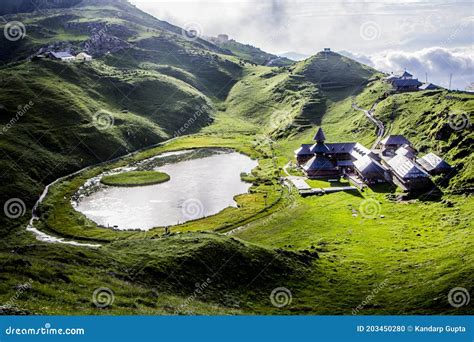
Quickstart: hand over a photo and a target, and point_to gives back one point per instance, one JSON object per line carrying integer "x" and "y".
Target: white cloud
{"x": 437, "y": 62}
{"x": 420, "y": 35}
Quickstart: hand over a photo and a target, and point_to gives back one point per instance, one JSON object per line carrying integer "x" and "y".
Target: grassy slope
{"x": 253, "y": 54}
{"x": 356, "y": 254}
{"x": 424, "y": 118}
{"x": 154, "y": 87}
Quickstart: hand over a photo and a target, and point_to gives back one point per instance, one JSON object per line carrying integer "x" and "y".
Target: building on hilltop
{"x": 403, "y": 82}
{"x": 62, "y": 56}
{"x": 83, "y": 57}
{"x": 222, "y": 38}
{"x": 429, "y": 86}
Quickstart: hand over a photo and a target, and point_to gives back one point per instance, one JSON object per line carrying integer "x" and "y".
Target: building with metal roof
{"x": 390, "y": 144}
{"x": 408, "y": 173}
{"x": 434, "y": 164}
{"x": 407, "y": 151}
{"x": 370, "y": 170}
{"x": 62, "y": 56}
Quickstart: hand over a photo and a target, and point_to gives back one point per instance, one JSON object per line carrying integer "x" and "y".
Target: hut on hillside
{"x": 408, "y": 174}
{"x": 62, "y": 56}
{"x": 370, "y": 170}
{"x": 433, "y": 164}
{"x": 407, "y": 151}
{"x": 83, "y": 57}
{"x": 391, "y": 143}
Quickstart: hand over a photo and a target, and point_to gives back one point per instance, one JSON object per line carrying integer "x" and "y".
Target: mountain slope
{"x": 252, "y": 54}
{"x": 292, "y": 99}
{"x": 147, "y": 82}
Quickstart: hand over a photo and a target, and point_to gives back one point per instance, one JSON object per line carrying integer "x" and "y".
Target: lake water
{"x": 202, "y": 184}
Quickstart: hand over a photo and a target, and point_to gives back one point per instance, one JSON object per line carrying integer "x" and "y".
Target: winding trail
{"x": 370, "y": 114}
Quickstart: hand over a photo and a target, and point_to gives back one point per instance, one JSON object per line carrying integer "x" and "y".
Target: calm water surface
{"x": 198, "y": 187}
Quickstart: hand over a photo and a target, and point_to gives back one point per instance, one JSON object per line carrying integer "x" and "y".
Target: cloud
{"x": 437, "y": 62}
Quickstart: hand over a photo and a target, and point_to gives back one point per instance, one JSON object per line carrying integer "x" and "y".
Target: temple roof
{"x": 319, "y": 163}
{"x": 367, "y": 165}
{"x": 319, "y": 147}
{"x": 319, "y": 137}
{"x": 395, "y": 140}
{"x": 305, "y": 149}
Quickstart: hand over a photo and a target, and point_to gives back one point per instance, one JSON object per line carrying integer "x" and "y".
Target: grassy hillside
{"x": 436, "y": 121}
{"x": 149, "y": 83}
{"x": 253, "y": 54}
{"x": 290, "y": 100}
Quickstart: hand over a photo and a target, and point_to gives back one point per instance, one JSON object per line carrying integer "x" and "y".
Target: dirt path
{"x": 370, "y": 114}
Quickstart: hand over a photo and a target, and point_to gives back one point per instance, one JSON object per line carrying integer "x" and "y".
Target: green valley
{"x": 151, "y": 89}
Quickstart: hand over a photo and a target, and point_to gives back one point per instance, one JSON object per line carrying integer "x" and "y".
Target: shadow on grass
{"x": 383, "y": 188}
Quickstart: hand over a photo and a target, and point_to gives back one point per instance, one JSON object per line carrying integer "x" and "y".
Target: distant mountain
{"x": 357, "y": 57}
{"x": 147, "y": 76}
{"x": 250, "y": 53}
{"x": 26, "y": 6}
{"x": 294, "y": 56}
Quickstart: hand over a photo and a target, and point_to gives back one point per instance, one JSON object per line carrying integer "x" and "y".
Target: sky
{"x": 430, "y": 38}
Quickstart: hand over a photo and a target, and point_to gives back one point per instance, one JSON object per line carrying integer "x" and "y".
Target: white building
{"x": 63, "y": 56}
{"x": 83, "y": 57}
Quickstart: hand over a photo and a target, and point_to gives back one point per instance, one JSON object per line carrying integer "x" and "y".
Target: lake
{"x": 203, "y": 182}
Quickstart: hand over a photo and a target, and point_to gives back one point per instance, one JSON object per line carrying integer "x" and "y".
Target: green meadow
{"x": 161, "y": 93}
